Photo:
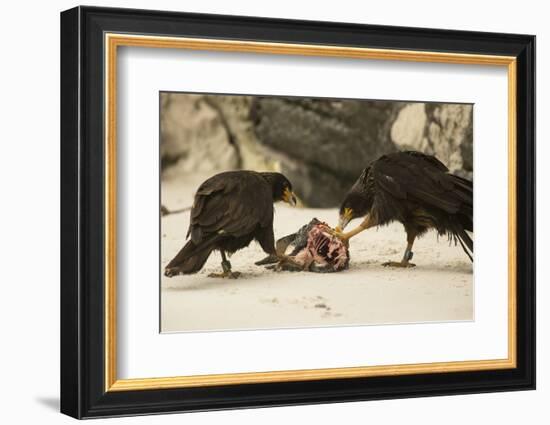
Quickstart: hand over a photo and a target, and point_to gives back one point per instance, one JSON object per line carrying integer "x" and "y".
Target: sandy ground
{"x": 440, "y": 288}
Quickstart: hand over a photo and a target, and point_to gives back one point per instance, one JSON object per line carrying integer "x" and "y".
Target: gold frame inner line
{"x": 113, "y": 41}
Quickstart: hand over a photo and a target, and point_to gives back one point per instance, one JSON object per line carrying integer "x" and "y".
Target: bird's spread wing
{"x": 419, "y": 178}
{"x": 232, "y": 204}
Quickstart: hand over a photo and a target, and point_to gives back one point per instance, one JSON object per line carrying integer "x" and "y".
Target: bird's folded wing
{"x": 231, "y": 206}
{"x": 419, "y": 178}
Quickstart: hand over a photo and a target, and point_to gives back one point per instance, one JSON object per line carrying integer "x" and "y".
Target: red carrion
{"x": 323, "y": 252}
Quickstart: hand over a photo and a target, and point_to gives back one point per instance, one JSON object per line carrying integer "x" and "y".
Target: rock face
{"x": 326, "y": 143}
{"x": 321, "y": 145}
{"x": 193, "y": 137}
{"x": 443, "y": 130}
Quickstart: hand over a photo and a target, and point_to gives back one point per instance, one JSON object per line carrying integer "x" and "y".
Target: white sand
{"x": 438, "y": 289}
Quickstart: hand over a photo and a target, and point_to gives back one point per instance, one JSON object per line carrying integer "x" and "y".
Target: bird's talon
{"x": 270, "y": 259}
{"x": 343, "y": 237}
{"x": 286, "y": 263}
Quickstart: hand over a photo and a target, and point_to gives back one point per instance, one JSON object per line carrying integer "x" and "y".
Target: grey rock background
{"x": 321, "y": 145}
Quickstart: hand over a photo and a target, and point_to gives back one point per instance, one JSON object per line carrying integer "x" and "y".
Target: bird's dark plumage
{"x": 229, "y": 211}
{"x": 417, "y": 190}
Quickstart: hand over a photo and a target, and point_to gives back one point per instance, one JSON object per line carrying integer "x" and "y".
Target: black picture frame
{"x": 83, "y": 392}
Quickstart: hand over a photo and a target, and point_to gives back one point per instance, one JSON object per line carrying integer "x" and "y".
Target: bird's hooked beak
{"x": 289, "y": 197}
{"x": 345, "y": 218}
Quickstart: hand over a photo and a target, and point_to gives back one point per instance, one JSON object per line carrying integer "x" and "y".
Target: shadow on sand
{"x": 49, "y": 402}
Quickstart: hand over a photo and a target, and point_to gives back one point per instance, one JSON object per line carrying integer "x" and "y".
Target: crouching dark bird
{"x": 229, "y": 211}
{"x": 416, "y": 190}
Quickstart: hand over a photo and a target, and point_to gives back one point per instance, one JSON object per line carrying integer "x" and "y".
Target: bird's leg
{"x": 287, "y": 263}
{"x": 407, "y": 256}
{"x": 280, "y": 249}
{"x": 365, "y": 224}
{"x": 278, "y": 260}
{"x": 226, "y": 266}
{"x": 284, "y": 262}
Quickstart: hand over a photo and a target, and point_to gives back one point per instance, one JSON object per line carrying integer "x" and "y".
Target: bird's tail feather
{"x": 463, "y": 222}
{"x": 464, "y": 191}
{"x": 191, "y": 258}
{"x": 465, "y": 240}
{"x": 466, "y": 221}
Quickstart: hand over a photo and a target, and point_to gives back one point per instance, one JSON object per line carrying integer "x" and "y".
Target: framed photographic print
{"x": 261, "y": 212}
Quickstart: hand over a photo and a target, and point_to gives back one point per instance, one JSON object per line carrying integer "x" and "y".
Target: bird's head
{"x": 282, "y": 188}
{"x": 353, "y": 206}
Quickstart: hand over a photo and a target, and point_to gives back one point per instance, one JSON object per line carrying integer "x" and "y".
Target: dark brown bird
{"x": 416, "y": 190}
{"x": 229, "y": 211}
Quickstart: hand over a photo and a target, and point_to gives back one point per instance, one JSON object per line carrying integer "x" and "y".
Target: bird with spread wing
{"x": 417, "y": 190}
